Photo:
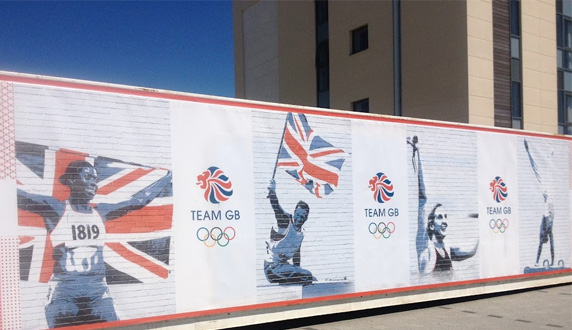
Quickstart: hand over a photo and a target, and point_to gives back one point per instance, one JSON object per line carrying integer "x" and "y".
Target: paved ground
{"x": 544, "y": 308}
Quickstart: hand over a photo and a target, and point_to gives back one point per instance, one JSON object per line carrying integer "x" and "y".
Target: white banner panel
{"x": 498, "y": 204}
{"x": 213, "y": 215}
{"x": 381, "y": 227}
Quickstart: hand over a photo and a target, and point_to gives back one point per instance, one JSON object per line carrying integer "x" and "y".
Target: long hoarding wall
{"x": 132, "y": 205}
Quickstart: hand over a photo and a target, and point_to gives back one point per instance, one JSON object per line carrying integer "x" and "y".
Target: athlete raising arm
{"x": 285, "y": 244}
{"x": 433, "y": 254}
{"x": 78, "y": 290}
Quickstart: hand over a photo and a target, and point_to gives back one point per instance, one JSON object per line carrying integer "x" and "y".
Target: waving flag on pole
{"x": 137, "y": 244}
{"x": 312, "y": 161}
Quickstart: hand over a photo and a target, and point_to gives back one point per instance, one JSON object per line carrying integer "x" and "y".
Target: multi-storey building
{"x": 505, "y": 63}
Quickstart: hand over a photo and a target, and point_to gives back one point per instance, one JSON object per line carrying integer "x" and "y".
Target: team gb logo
{"x": 499, "y": 189}
{"x": 216, "y": 185}
{"x": 382, "y": 188}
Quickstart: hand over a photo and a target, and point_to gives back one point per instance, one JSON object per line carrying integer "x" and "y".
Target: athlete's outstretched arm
{"x": 533, "y": 164}
{"x": 137, "y": 201}
{"x": 538, "y": 175}
{"x": 282, "y": 217}
{"x": 422, "y": 239}
{"x": 48, "y": 207}
{"x": 458, "y": 255}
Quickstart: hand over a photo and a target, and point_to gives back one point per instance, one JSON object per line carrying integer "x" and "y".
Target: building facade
{"x": 504, "y": 63}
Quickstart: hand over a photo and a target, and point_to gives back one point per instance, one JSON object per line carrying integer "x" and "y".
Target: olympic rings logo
{"x": 217, "y": 235}
{"x": 498, "y": 225}
{"x": 381, "y": 229}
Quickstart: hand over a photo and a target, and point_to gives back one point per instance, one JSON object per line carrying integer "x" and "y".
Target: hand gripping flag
{"x": 312, "y": 161}
{"x": 137, "y": 244}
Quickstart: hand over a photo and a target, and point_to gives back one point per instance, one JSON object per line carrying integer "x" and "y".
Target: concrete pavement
{"x": 543, "y": 308}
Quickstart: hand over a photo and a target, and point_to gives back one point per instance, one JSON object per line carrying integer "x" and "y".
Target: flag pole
{"x": 280, "y": 148}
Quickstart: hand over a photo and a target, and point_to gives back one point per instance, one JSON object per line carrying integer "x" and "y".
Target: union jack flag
{"x": 312, "y": 161}
{"x": 137, "y": 244}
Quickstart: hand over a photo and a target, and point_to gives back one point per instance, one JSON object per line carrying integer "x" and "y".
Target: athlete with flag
{"x": 78, "y": 290}
{"x": 285, "y": 244}
{"x": 316, "y": 165}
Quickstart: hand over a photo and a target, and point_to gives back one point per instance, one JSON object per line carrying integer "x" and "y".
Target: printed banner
{"x": 303, "y": 213}
{"x": 380, "y": 194}
{"x": 444, "y": 231}
{"x": 214, "y": 216}
{"x": 95, "y": 206}
{"x": 127, "y": 207}
{"x": 543, "y": 207}
{"x": 498, "y": 204}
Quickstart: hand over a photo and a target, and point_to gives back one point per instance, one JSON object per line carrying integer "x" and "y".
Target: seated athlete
{"x": 78, "y": 290}
{"x": 283, "y": 263}
{"x": 432, "y": 252}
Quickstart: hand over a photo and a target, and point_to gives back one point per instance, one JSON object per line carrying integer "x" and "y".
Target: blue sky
{"x": 183, "y": 46}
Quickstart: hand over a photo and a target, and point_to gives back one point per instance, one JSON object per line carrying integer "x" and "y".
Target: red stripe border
{"x": 228, "y": 310}
{"x": 179, "y": 96}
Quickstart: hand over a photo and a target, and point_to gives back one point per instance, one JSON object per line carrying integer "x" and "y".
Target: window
{"x": 564, "y": 51}
{"x": 516, "y": 105}
{"x": 359, "y": 39}
{"x": 515, "y": 65}
{"x": 322, "y": 54}
{"x": 515, "y": 17}
{"x": 361, "y": 105}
